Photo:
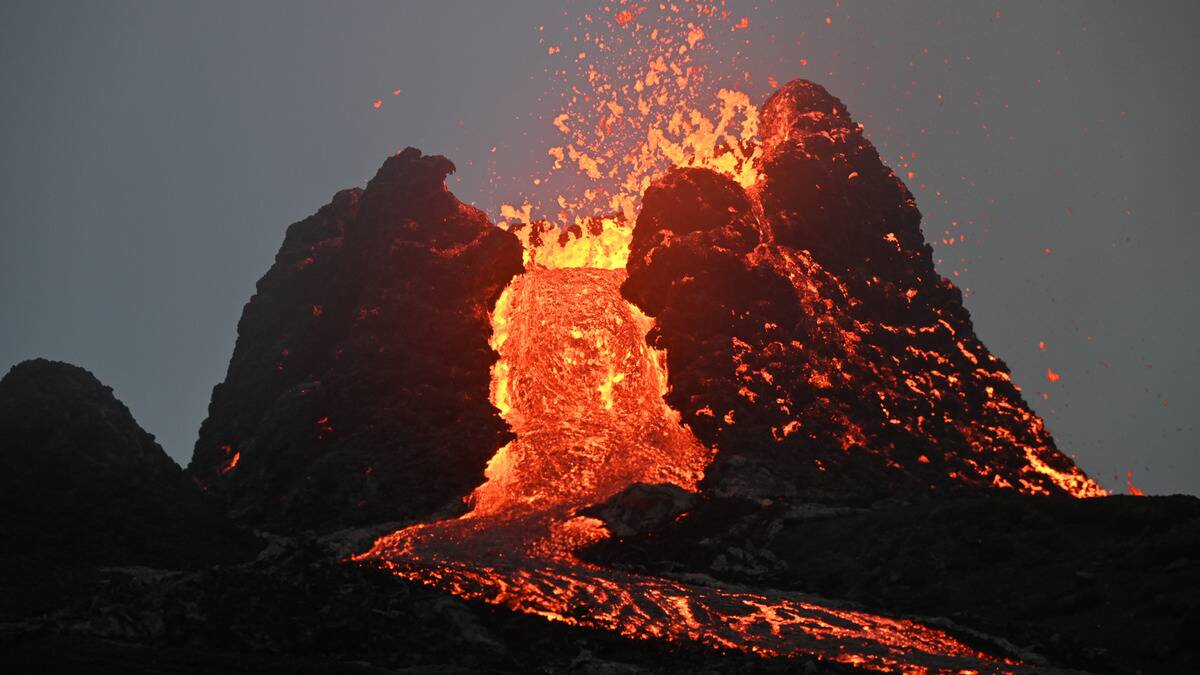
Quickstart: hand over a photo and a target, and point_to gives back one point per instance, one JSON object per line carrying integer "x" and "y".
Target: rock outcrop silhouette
{"x": 809, "y": 337}
{"x": 358, "y": 389}
{"x": 83, "y": 487}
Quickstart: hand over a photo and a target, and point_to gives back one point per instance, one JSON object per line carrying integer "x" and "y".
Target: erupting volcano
{"x": 863, "y": 371}
{"x": 687, "y": 393}
{"x": 583, "y": 393}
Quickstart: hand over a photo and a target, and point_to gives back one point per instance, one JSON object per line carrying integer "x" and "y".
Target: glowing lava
{"x": 583, "y": 392}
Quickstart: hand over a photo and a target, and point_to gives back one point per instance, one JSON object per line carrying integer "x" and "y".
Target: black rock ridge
{"x": 84, "y": 487}
{"x": 358, "y": 389}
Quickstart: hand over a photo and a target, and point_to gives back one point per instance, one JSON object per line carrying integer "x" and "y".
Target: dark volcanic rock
{"x": 809, "y": 337}
{"x": 83, "y": 486}
{"x": 83, "y": 483}
{"x": 1107, "y": 585}
{"x": 358, "y": 389}
{"x": 641, "y": 507}
{"x": 297, "y": 609}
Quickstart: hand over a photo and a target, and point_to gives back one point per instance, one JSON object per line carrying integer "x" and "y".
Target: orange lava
{"x": 1133, "y": 489}
{"x": 583, "y": 393}
{"x": 234, "y": 458}
{"x": 639, "y": 99}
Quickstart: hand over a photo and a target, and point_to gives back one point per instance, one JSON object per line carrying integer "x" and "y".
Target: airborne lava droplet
{"x": 1133, "y": 489}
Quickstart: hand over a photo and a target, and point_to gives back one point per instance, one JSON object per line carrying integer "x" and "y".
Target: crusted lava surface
{"x": 358, "y": 389}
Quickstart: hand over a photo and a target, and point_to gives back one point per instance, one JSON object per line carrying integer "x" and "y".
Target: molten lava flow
{"x": 601, "y": 243}
{"x": 584, "y": 393}
{"x": 1133, "y": 489}
{"x": 639, "y": 96}
{"x": 769, "y": 297}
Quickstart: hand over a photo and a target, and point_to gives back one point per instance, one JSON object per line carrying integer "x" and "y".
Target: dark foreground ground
{"x": 1105, "y": 585}
{"x": 296, "y": 609}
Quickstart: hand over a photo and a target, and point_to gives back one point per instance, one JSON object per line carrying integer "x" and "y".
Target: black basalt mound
{"x": 83, "y": 485}
{"x": 358, "y": 389}
{"x": 825, "y": 189}
{"x": 809, "y": 337}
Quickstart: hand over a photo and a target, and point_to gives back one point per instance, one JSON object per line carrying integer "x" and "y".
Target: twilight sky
{"x": 155, "y": 152}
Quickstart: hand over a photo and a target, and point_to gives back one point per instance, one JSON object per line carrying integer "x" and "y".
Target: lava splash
{"x": 584, "y": 393}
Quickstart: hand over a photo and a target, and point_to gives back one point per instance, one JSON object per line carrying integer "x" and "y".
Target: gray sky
{"x": 154, "y": 153}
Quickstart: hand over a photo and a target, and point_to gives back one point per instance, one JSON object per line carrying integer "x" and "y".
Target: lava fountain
{"x": 583, "y": 392}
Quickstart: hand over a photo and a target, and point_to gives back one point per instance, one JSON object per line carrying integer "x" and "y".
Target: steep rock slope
{"x": 358, "y": 389}
{"x": 809, "y": 337}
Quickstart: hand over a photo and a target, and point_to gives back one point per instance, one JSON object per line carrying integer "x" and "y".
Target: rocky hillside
{"x": 809, "y": 337}
{"x": 358, "y": 389}
{"x": 84, "y": 486}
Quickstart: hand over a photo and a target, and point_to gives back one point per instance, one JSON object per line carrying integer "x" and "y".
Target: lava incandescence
{"x": 583, "y": 392}
{"x": 830, "y": 330}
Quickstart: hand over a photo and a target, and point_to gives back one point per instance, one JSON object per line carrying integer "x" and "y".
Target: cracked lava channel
{"x": 583, "y": 392}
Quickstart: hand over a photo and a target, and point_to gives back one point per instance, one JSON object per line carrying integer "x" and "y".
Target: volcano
{"x": 642, "y": 432}
{"x": 798, "y": 385}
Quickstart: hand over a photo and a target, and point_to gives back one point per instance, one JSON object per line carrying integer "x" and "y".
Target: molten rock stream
{"x": 583, "y": 392}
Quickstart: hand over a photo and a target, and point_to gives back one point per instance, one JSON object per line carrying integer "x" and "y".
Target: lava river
{"x": 583, "y": 393}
